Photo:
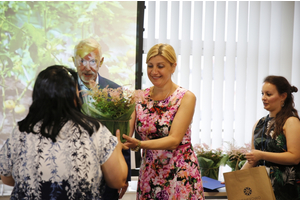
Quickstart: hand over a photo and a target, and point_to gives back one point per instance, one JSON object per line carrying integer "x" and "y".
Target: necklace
{"x": 165, "y": 96}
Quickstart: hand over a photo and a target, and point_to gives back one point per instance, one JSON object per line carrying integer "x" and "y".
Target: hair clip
{"x": 69, "y": 73}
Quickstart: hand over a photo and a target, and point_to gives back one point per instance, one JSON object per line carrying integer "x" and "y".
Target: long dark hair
{"x": 54, "y": 102}
{"x": 288, "y": 108}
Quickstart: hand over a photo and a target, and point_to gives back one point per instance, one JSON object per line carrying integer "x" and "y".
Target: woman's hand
{"x": 131, "y": 142}
{"x": 253, "y": 156}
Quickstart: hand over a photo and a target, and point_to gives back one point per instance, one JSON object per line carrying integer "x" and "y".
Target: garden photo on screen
{"x": 37, "y": 34}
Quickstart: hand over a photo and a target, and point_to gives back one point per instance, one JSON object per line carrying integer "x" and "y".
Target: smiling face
{"x": 160, "y": 70}
{"x": 272, "y": 100}
{"x": 88, "y": 67}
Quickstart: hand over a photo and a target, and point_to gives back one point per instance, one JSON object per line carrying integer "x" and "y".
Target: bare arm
{"x": 8, "y": 180}
{"x": 291, "y": 130}
{"x": 115, "y": 169}
{"x": 180, "y": 124}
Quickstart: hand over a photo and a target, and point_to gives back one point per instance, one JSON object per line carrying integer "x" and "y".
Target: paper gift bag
{"x": 253, "y": 183}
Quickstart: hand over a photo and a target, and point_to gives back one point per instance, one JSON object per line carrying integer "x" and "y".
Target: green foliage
{"x": 209, "y": 160}
{"x": 113, "y": 107}
{"x": 235, "y": 156}
{"x": 32, "y": 28}
{"x": 204, "y": 151}
{"x": 208, "y": 167}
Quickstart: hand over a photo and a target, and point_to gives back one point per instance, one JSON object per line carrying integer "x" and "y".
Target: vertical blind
{"x": 224, "y": 50}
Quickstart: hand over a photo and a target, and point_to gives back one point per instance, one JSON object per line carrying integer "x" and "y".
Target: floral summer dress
{"x": 285, "y": 179}
{"x": 166, "y": 174}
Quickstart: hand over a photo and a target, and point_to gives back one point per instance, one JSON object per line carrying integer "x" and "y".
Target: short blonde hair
{"x": 86, "y": 46}
{"x": 165, "y": 50}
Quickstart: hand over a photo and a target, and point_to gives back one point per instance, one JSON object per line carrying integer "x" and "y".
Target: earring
{"x": 282, "y": 105}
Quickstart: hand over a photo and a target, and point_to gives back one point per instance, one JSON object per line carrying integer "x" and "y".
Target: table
{"x": 216, "y": 195}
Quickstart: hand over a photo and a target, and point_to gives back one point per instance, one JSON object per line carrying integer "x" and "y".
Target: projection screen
{"x": 37, "y": 34}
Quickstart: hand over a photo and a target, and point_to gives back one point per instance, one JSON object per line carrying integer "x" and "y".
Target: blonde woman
{"x": 169, "y": 168}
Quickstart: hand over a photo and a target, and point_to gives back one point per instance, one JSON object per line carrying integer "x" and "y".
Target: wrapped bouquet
{"x": 113, "y": 107}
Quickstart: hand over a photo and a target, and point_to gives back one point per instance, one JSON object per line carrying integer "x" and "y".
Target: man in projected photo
{"x": 88, "y": 59}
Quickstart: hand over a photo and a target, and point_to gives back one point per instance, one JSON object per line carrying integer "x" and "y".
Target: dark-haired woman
{"x": 276, "y": 137}
{"x": 57, "y": 152}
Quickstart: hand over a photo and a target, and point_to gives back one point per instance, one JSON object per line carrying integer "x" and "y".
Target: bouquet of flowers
{"x": 113, "y": 107}
{"x": 235, "y": 156}
{"x": 209, "y": 160}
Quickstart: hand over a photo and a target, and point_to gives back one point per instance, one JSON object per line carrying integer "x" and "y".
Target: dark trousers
{"x": 110, "y": 194}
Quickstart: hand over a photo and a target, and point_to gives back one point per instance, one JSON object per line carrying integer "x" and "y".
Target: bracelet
{"x": 137, "y": 148}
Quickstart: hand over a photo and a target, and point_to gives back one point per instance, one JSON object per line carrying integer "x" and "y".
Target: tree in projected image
{"x": 34, "y": 35}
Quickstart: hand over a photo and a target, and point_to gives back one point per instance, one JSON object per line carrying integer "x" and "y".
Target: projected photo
{"x": 35, "y": 35}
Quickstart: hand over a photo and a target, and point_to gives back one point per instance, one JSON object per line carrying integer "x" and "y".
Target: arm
{"x": 115, "y": 168}
{"x": 131, "y": 131}
{"x": 180, "y": 124}
{"x": 8, "y": 180}
{"x": 291, "y": 130}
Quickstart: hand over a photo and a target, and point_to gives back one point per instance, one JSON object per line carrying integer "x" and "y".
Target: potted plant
{"x": 209, "y": 160}
{"x": 235, "y": 155}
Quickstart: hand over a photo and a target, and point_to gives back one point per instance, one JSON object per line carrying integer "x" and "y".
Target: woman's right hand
{"x": 131, "y": 142}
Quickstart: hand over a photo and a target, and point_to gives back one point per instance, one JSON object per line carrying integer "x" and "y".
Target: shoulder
{"x": 261, "y": 121}
{"x": 103, "y": 82}
{"x": 189, "y": 94}
{"x": 291, "y": 126}
{"x": 188, "y": 97}
{"x": 292, "y": 121}
{"x": 259, "y": 124}
{"x": 104, "y": 134}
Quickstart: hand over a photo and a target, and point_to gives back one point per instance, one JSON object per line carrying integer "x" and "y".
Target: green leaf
{"x": 208, "y": 168}
{"x": 33, "y": 50}
{"x": 15, "y": 42}
{"x": 4, "y": 58}
{"x": 241, "y": 163}
{"x": 37, "y": 35}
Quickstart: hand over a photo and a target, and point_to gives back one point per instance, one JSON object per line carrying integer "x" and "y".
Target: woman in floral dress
{"x": 169, "y": 168}
{"x": 275, "y": 141}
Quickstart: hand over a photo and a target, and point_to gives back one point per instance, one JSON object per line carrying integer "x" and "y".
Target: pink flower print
{"x": 162, "y": 195}
{"x": 146, "y": 187}
{"x": 139, "y": 96}
{"x": 149, "y": 156}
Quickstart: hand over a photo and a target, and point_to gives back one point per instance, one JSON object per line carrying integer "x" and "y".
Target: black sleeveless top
{"x": 285, "y": 179}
